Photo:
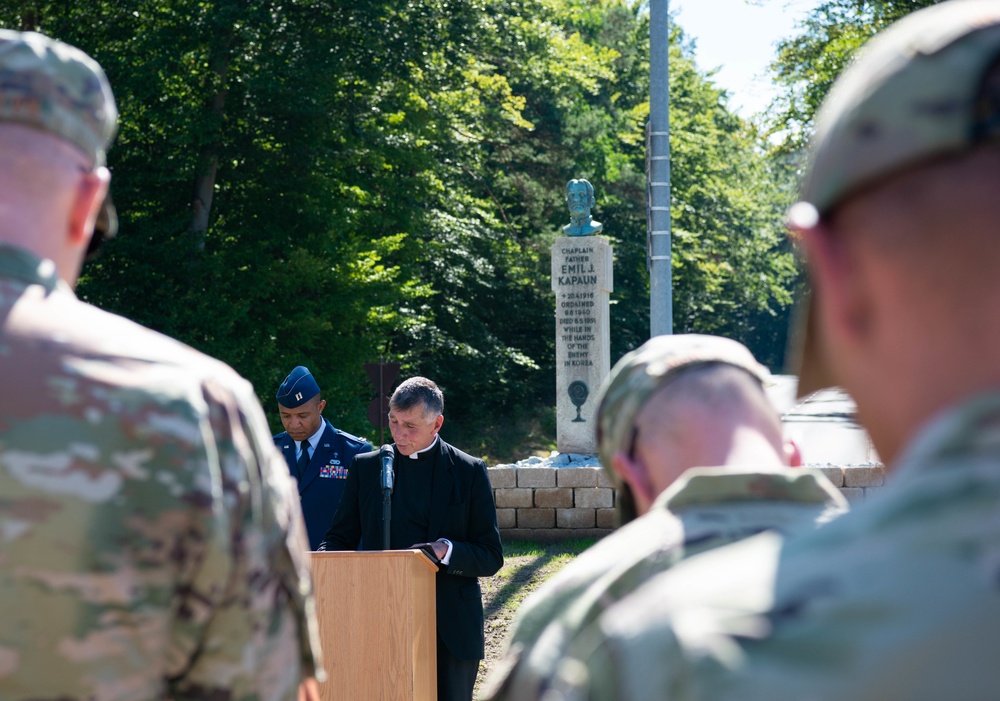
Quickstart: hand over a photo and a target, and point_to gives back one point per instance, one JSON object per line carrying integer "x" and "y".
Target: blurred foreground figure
{"x": 152, "y": 545}
{"x": 694, "y": 448}
{"x": 900, "y": 227}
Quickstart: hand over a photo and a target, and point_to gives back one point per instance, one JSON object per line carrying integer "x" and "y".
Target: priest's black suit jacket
{"x": 462, "y": 510}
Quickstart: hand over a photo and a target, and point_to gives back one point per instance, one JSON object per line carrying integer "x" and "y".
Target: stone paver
{"x": 554, "y": 498}
{"x": 502, "y": 477}
{"x": 607, "y": 518}
{"x": 593, "y": 498}
{"x": 536, "y": 518}
{"x": 506, "y": 518}
{"x": 513, "y": 498}
{"x": 604, "y": 480}
{"x": 834, "y": 474}
{"x": 536, "y": 477}
{"x": 864, "y": 476}
{"x": 575, "y": 518}
{"x": 543, "y": 535}
{"x": 577, "y": 477}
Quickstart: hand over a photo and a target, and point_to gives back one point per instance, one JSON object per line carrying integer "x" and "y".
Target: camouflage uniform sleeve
{"x": 257, "y": 638}
{"x": 582, "y": 591}
{"x": 600, "y": 667}
{"x": 662, "y": 642}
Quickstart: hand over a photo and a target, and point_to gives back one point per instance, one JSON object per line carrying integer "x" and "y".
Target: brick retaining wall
{"x": 552, "y": 503}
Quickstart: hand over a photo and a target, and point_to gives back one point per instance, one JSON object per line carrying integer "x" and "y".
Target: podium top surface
{"x": 375, "y": 555}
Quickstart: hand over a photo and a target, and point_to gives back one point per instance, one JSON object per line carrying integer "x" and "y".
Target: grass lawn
{"x": 526, "y": 565}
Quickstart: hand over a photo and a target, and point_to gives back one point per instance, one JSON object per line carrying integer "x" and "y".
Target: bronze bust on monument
{"x": 580, "y": 198}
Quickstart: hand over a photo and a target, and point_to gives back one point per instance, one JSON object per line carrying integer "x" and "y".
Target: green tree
{"x": 807, "y": 64}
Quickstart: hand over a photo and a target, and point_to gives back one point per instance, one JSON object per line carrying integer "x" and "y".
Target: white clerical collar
{"x": 425, "y": 451}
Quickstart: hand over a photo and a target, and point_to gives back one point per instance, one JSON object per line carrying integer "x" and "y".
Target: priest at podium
{"x": 442, "y": 502}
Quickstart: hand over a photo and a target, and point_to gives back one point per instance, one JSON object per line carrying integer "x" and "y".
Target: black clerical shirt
{"x": 411, "y": 498}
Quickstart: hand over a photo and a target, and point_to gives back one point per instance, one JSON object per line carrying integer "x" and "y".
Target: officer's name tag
{"x": 333, "y": 471}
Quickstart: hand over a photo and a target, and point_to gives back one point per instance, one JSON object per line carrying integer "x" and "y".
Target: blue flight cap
{"x": 297, "y": 389}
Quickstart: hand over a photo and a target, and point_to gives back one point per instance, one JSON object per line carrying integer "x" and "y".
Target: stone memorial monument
{"x": 582, "y": 282}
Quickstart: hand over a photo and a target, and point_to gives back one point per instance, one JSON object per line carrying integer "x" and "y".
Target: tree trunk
{"x": 208, "y": 157}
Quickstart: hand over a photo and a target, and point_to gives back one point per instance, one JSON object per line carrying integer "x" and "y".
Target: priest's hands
{"x": 438, "y": 549}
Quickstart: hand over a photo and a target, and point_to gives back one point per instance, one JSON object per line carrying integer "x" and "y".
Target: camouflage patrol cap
{"x": 57, "y": 88}
{"x": 910, "y": 97}
{"x": 635, "y": 378}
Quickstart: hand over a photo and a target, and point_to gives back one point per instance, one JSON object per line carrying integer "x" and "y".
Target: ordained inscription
{"x": 576, "y": 324}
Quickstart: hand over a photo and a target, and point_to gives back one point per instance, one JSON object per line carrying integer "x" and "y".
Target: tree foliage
{"x": 807, "y": 64}
{"x": 324, "y": 182}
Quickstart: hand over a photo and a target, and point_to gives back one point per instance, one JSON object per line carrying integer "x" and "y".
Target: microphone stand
{"x": 386, "y": 517}
{"x": 387, "y": 480}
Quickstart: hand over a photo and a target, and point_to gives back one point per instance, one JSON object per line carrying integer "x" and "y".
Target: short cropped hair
{"x": 418, "y": 390}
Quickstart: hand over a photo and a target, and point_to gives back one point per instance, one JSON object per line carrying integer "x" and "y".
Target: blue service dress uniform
{"x": 322, "y": 484}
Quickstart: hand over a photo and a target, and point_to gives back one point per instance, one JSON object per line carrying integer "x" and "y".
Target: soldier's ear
{"x": 633, "y": 474}
{"x": 793, "y": 456}
{"x": 87, "y": 201}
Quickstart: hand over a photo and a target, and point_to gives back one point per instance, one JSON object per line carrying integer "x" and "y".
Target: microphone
{"x": 388, "y": 475}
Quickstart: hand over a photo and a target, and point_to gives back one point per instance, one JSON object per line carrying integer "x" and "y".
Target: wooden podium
{"x": 377, "y": 624}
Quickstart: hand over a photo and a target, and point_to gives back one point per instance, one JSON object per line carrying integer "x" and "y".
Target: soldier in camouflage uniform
{"x": 152, "y": 542}
{"x": 900, "y": 599}
{"x": 675, "y": 403}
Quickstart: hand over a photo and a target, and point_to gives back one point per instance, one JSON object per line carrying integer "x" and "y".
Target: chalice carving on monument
{"x": 578, "y": 393}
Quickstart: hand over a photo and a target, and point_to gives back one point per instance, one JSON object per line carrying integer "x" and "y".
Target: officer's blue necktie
{"x": 303, "y": 463}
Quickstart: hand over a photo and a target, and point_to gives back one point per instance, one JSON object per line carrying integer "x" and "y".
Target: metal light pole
{"x": 661, "y": 313}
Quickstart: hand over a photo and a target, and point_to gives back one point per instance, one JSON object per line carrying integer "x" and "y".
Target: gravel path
{"x": 504, "y": 592}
